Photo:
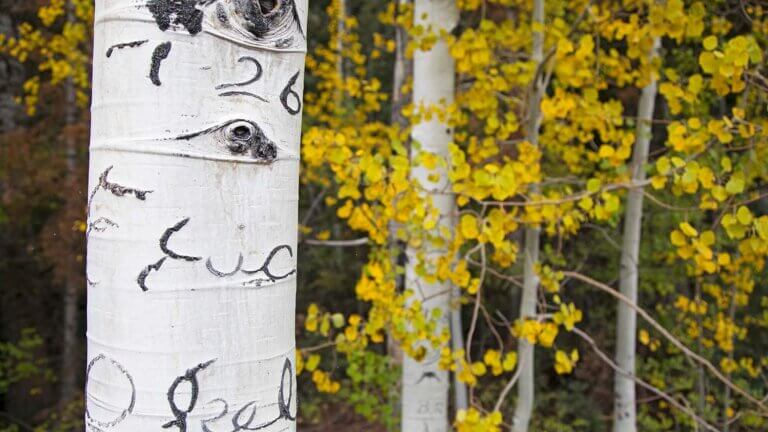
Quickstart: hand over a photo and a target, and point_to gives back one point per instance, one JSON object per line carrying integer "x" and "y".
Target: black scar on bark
{"x": 243, "y": 93}
{"x": 283, "y": 405}
{"x": 241, "y": 136}
{"x": 288, "y": 91}
{"x": 217, "y": 273}
{"x": 161, "y": 53}
{"x": 221, "y": 14}
{"x": 181, "y": 415}
{"x": 265, "y": 267}
{"x": 142, "y": 279}
{"x": 167, "y": 236}
{"x": 119, "y": 190}
{"x": 177, "y": 12}
{"x": 256, "y": 77}
{"x": 125, "y": 45}
{"x": 131, "y": 404}
{"x": 428, "y": 375}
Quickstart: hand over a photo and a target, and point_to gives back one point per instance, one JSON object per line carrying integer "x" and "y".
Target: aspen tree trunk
{"x": 402, "y": 70}
{"x": 71, "y": 302}
{"x": 624, "y": 386}
{"x": 525, "y": 385}
{"x": 425, "y": 387}
{"x": 460, "y": 391}
{"x": 193, "y": 215}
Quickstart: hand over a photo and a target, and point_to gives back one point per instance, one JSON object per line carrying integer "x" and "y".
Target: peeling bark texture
{"x": 525, "y": 385}
{"x": 625, "y": 413}
{"x": 192, "y": 169}
{"x": 424, "y": 385}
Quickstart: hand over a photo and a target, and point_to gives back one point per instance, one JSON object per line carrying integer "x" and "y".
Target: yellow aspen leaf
{"x": 469, "y": 226}
{"x": 678, "y": 238}
{"x": 725, "y": 163}
{"x": 744, "y": 216}
{"x": 593, "y": 185}
{"x": 663, "y": 165}
{"x": 586, "y": 203}
{"x": 644, "y": 337}
{"x": 719, "y": 193}
{"x": 688, "y": 230}
{"x": 761, "y": 226}
{"x": 606, "y": 151}
{"x": 338, "y": 320}
{"x": 510, "y": 361}
{"x": 735, "y": 185}
{"x": 710, "y": 43}
{"x": 478, "y": 369}
{"x": 312, "y": 362}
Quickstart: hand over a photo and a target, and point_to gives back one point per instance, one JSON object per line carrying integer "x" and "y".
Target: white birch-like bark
{"x": 425, "y": 386}
{"x": 460, "y": 390}
{"x": 624, "y": 415}
{"x": 193, "y": 214}
{"x": 525, "y": 385}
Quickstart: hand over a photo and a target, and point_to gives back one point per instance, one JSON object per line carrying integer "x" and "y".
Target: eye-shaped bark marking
{"x": 288, "y": 91}
{"x": 268, "y": 17}
{"x": 256, "y": 77}
{"x": 274, "y": 22}
{"x": 161, "y": 53}
{"x": 240, "y": 137}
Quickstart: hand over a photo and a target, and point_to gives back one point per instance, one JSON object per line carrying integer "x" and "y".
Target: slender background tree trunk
{"x": 70, "y": 357}
{"x": 624, "y": 387}
{"x": 193, "y": 215}
{"x": 425, "y": 387}
{"x": 525, "y": 386}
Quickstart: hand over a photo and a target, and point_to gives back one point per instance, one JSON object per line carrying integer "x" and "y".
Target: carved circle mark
{"x": 114, "y": 371}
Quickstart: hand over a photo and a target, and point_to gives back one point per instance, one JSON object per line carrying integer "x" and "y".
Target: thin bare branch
{"x": 338, "y": 243}
{"x": 667, "y": 335}
{"x": 672, "y": 401}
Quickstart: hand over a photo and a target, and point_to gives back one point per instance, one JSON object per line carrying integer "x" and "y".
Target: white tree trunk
{"x": 193, "y": 213}
{"x": 460, "y": 391}
{"x": 71, "y": 301}
{"x": 425, "y": 387}
{"x": 624, "y": 387}
{"x": 525, "y": 386}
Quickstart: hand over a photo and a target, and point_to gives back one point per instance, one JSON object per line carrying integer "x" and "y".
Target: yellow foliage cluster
{"x": 57, "y": 47}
